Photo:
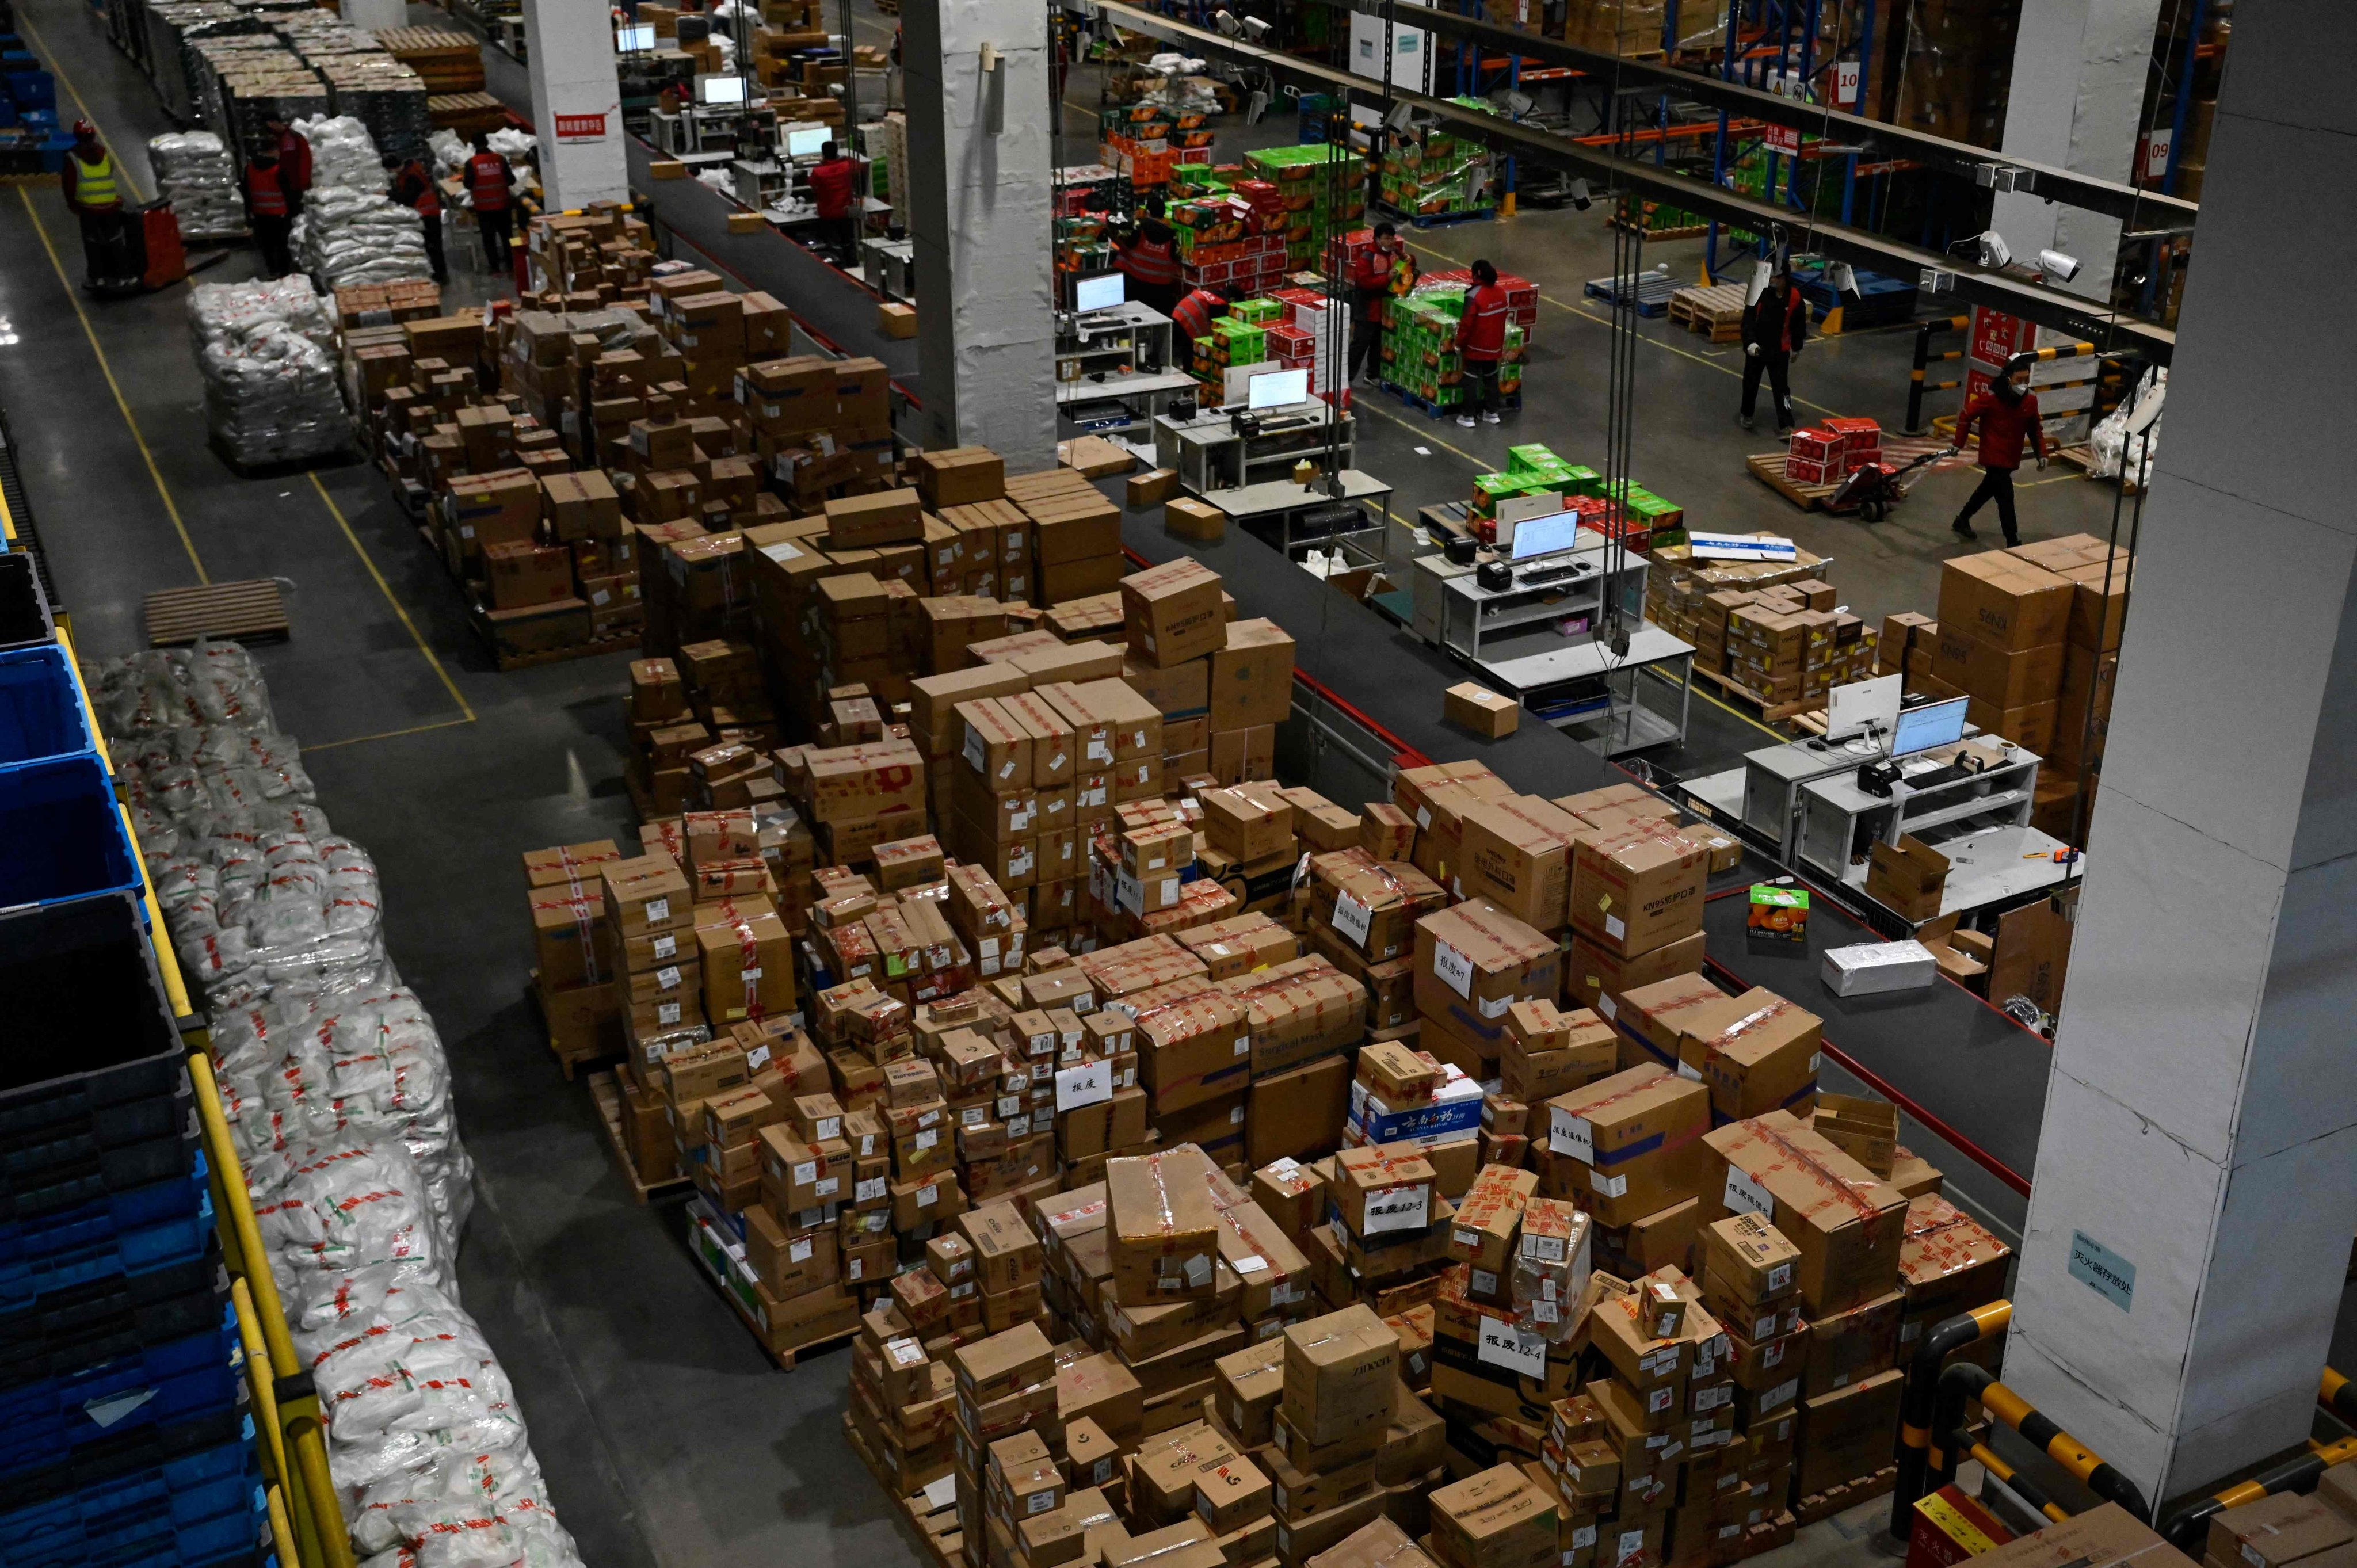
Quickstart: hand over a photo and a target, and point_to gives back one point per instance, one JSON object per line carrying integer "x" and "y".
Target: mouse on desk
{"x": 1817, "y": 743}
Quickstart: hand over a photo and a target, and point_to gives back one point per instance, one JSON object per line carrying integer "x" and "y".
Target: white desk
{"x": 1287, "y": 503}
{"x": 1627, "y": 724}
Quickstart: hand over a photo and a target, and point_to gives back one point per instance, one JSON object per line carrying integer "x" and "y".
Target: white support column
{"x": 376, "y": 15}
{"x": 576, "y": 102}
{"x": 2080, "y": 68}
{"x": 980, "y": 211}
{"x": 2197, "y": 1174}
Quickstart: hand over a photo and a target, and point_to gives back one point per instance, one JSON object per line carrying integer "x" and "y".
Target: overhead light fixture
{"x": 2062, "y": 268}
{"x": 1580, "y": 198}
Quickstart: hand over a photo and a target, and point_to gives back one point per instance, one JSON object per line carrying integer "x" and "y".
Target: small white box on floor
{"x": 1871, "y": 968}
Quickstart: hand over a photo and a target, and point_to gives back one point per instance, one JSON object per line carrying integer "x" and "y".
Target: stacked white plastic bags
{"x": 196, "y": 174}
{"x": 266, "y": 352}
{"x": 338, "y": 1091}
{"x": 352, "y": 230}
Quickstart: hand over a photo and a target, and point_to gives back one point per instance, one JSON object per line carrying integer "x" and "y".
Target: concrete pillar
{"x": 376, "y": 15}
{"x": 576, "y": 102}
{"x": 980, "y": 211}
{"x": 2197, "y": 1174}
{"x": 2080, "y": 68}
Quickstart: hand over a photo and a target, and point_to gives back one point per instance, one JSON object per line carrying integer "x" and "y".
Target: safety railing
{"x": 1932, "y": 1439}
{"x": 1917, "y": 386}
{"x": 2336, "y": 1395}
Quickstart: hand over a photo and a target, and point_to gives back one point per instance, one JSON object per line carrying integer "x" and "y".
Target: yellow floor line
{"x": 1700, "y": 690}
{"x": 1607, "y": 321}
{"x": 392, "y": 734}
{"x": 73, "y": 297}
{"x": 49, "y": 58}
{"x": 386, "y": 589}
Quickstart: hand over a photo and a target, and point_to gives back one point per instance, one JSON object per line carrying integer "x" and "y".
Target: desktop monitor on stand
{"x": 1546, "y": 535}
{"x": 1864, "y": 710}
{"x": 1935, "y": 723}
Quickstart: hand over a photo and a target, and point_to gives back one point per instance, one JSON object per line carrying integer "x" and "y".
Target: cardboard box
{"x": 1162, "y": 1227}
{"x": 1633, "y": 896}
{"x": 2278, "y": 1530}
{"x": 1480, "y": 710}
{"x": 1847, "y": 1225}
{"x": 1383, "y": 1190}
{"x": 1910, "y": 880}
{"x": 1762, "y": 1057}
{"x": 1475, "y": 959}
{"x": 1184, "y": 518}
{"x": 1173, "y": 613}
{"x": 2097, "y": 1538}
{"x": 1252, "y": 676}
{"x": 2005, "y": 601}
{"x": 1639, "y": 1134}
{"x": 1516, "y": 850}
{"x": 1340, "y": 1371}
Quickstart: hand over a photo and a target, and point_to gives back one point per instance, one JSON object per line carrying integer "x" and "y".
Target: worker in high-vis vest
{"x": 270, "y": 206}
{"x": 94, "y": 190}
{"x": 489, "y": 180}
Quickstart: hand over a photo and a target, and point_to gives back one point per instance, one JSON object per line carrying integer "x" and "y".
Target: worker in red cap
{"x": 93, "y": 190}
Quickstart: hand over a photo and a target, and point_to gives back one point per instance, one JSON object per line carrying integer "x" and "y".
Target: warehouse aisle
{"x": 666, "y": 1436}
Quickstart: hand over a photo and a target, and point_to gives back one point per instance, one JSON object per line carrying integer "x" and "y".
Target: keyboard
{"x": 1529, "y": 576}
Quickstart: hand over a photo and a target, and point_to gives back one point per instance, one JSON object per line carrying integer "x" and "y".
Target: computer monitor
{"x": 1935, "y": 723}
{"x": 1863, "y": 707}
{"x": 719, "y": 90}
{"x": 806, "y": 141}
{"x": 1101, "y": 291}
{"x": 1277, "y": 389}
{"x": 634, "y": 39}
{"x": 1536, "y": 536}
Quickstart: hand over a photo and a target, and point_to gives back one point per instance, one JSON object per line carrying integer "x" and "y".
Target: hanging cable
{"x": 1620, "y": 378}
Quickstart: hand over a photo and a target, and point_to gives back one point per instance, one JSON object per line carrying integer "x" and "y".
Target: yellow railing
{"x": 307, "y": 1522}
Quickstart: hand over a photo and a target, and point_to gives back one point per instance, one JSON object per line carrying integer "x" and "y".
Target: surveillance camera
{"x": 1580, "y": 198}
{"x": 1255, "y": 29}
{"x": 1225, "y": 21}
{"x": 1842, "y": 278}
{"x": 2058, "y": 266}
{"x": 1995, "y": 253}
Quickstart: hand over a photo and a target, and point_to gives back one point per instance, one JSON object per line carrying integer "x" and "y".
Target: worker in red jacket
{"x": 1192, "y": 316}
{"x": 1370, "y": 287}
{"x": 414, "y": 187}
{"x": 833, "y": 180}
{"x": 491, "y": 187}
{"x": 294, "y": 161}
{"x": 1482, "y": 343}
{"x": 2008, "y": 417}
{"x": 1774, "y": 326}
{"x": 1148, "y": 258}
{"x": 270, "y": 209}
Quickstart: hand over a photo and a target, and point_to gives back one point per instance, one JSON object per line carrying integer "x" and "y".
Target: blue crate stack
{"x": 31, "y": 139}
{"x": 124, "y": 1431}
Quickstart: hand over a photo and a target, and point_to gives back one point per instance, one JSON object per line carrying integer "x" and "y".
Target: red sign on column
{"x": 581, "y": 127}
{"x": 1996, "y": 337}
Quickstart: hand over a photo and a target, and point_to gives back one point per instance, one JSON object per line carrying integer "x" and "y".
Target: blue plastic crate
{"x": 29, "y": 1275}
{"x": 72, "y": 1470}
{"x": 111, "y": 1317}
{"x": 153, "y": 1387}
{"x": 76, "y": 1212}
{"x": 204, "y": 1507}
{"x": 33, "y": 90}
{"x": 82, "y": 971}
{"x": 58, "y": 1168}
{"x": 64, "y": 833}
{"x": 40, "y": 710}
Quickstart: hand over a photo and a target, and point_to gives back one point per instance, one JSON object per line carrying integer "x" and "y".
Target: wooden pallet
{"x": 1848, "y": 1495}
{"x": 465, "y": 112}
{"x": 1716, "y": 312}
{"x": 936, "y": 1525}
{"x": 251, "y": 611}
{"x": 2083, "y": 459}
{"x": 1767, "y": 467}
{"x": 446, "y": 61}
{"x": 607, "y": 1090}
{"x": 1771, "y": 711}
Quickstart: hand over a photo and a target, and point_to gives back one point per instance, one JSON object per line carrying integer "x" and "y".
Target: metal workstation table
{"x": 1572, "y": 688}
{"x": 1980, "y": 820}
{"x": 1210, "y": 454}
{"x": 1300, "y": 516}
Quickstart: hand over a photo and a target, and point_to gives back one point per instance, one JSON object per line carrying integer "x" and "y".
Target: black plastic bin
{"x": 24, "y": 609}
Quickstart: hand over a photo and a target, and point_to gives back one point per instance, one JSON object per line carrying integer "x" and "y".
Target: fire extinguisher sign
{"x": 581, "y": 127}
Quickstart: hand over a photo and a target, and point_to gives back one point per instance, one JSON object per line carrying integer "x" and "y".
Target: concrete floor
{"x": 666, "y": 1436}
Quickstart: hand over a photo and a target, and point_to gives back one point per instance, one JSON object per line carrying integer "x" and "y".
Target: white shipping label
{"x": 1040, "y": 1502}
{"x": 1608, "y": 1005}
{"x": 1691, "y": 1073}
{"x": 1485, "y": 1283}
{"x": 1569, "y": 1135}
{"x": 1630, "y": 1548}
{"x": 1779, "y": 1394}
{"x": 926, "y": 1140}
{"x": 1780, "y": 1277}
{"x": 1615, "y": 927}
{"x": 1397, "y": 1208}
{"x": 798, "y": 1251}
{"x": 1582, "y": 1535}
{"x": 973, "y": 1115}
{"x": 1610, "y": 1187}
{"x": 666, "y": 947}
{"x": 805, "y": 1173}
{"x": 758, "y": 1058}
{"x": 1470, "y": 1238}
{"x": 1659, "y": 1400}
{"x": 871, "y": 1189}
{"x": 658, "y": 910}
{"x": 1711, "y": 1399}
{"x": 1510, "y": 1345}
{"x": 1453, "y": 969}
{"x": 830, "y": 1127}
{"x": 926, "y": 1196}
{"x": 1495, "y": 1007}
{"x": 1351, "y": 918}
{"x": 1745, "y": 1196}
{"x": 1088, "y": 1084}
{"x": 1423, "y": 818}
{"x": 666, "y": 1011}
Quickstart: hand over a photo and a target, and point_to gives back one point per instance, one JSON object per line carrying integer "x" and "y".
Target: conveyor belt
{"x": 1961, "y": 1069}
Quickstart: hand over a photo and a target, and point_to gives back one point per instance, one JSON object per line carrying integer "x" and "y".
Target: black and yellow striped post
{"x": 1924, "y": 360}
{"x": 2185, "y": 1528}
{"x": 1919, "y": 1455}
{"x": 2338, "y": 1395}
{"x": 1966, "y": 1381}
